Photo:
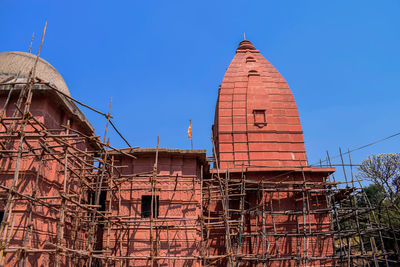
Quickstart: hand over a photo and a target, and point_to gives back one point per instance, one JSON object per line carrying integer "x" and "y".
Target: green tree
{"x": 375, "y": 194}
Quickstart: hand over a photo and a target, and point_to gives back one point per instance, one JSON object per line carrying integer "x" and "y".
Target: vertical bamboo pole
{"x": 276, "y": 238}
{"x": 110, "y": 196}
{"x": 242, "y": 214}
{"x": 335, "y": 214}
{"x": 153, "y": 181}
{"x": 355, "y": 201}
{"x": 264, "y": 234}
{"x": 202, "y": 245}
{"x": 29, "y": 226}
{"x": 61, "y": 221}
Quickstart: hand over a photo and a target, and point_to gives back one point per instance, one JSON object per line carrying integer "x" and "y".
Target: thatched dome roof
{"x": 19, "y": 64}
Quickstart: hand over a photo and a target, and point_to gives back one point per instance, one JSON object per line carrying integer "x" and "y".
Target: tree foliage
{"x": 375, "y": 194}
{"x": 384, "y": 171}
{"x": 383, "y": 194}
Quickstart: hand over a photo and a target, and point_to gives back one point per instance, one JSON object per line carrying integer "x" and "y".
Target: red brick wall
{"x": 178, "y": 230}
{"x": 50, "y": 183}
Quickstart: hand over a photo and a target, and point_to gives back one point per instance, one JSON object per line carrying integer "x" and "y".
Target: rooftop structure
{"x": 19, "y": 64}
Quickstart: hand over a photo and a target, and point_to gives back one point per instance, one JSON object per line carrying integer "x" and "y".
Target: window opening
{"x": 250, "y": 59}
{"x": 253, "y": 73}
{"x": 146, "y": 204}
{"x": 259, "y": 118}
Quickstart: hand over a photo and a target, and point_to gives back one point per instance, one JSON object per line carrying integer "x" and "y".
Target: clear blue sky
{"x": 162, "y": 62}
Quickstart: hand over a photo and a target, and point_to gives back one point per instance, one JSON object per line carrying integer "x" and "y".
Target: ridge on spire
{"x": 245, "y": 45}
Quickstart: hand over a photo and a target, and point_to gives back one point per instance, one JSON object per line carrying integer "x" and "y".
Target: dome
{"x": 12, "y": 63}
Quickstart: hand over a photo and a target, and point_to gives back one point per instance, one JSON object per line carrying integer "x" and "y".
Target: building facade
{"x": 43, "y": 164}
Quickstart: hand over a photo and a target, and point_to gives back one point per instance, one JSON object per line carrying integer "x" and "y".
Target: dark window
{"x": 259, "y": 118}
{"x": 253, "y": 73}
{"x": 146, "y": 204}
{"x": 1, "y": 215}
{"x": 250, "y": 59}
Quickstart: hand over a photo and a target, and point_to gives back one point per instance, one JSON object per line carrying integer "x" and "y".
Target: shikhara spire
{"x": 256, "y": 119}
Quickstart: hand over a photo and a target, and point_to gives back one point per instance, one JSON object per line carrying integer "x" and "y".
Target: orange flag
{"x": 190, "y": 130}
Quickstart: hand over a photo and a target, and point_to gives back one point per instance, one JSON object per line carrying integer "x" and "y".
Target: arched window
{"x": 253, "y": 73}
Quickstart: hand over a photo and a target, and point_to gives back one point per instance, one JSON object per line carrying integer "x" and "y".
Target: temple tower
{"x": 269, "y": 200}
{"x": 256, "y": 119}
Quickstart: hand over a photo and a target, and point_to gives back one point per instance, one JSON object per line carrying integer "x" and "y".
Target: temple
{"x": 70, "y": 198}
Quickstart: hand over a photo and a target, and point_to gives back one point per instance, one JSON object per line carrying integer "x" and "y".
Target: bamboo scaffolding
{"x": 77, "y": 165}
{"x": 348, "y": 222}
{"x": 242, "y": 215}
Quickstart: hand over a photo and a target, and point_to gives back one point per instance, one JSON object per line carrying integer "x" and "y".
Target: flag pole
{"x": 190, "y": 134}
{"x": 191, "y": 137}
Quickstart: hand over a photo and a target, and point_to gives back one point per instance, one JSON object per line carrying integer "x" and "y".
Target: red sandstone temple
{"x": 258, "y": 144}
{"x": 68, "y": 198}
